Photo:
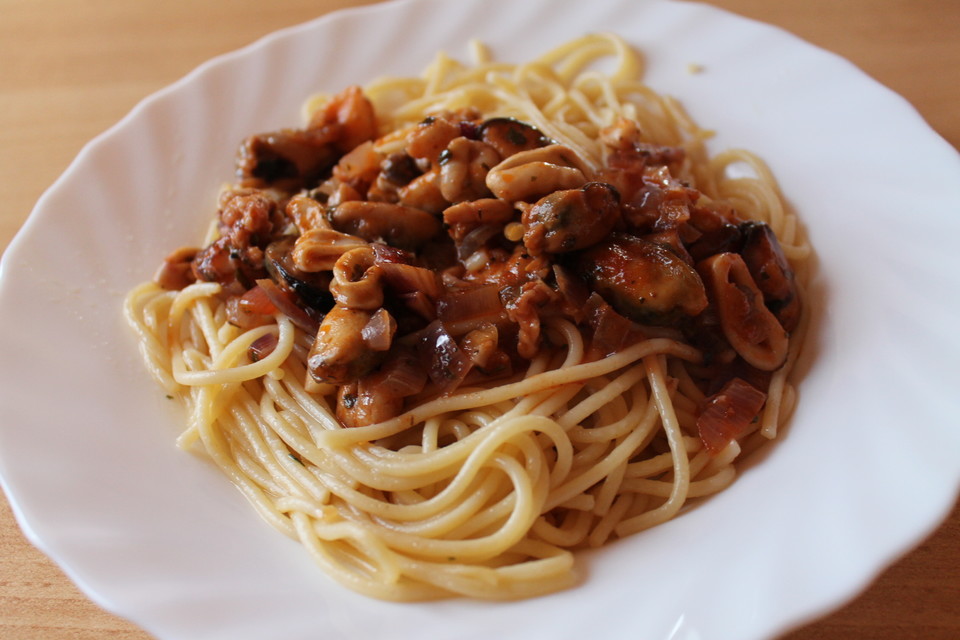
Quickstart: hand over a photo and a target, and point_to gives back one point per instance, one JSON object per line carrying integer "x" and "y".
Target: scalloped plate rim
{"x": 21, "y": 242}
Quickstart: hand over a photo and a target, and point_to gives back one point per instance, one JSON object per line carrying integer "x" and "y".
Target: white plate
{"x": 870, "y": 464}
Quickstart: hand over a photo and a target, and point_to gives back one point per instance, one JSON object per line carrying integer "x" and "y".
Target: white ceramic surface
{"x": 870, "y": 463}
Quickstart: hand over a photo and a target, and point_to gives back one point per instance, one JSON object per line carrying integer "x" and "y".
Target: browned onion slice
{"x": 448, "y": 364}
{"x": 262, "y": 347}
{"x": 470, "y": 303}
{"x": 729, "y": 413}
{"x": 287, "y": 306}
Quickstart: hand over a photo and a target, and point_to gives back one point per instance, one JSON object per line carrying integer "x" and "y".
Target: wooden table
{"x": 69, "y": 70}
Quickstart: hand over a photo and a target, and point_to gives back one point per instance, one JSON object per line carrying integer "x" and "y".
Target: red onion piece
{"x": 573, "y": 289}
{"x": 475, "y": 239}
{"x": 729, "y": 413}
{"x": 378, "y": 332}
{"x": 420, "y": 303}
{"x": 466, "y": 304}
{"x": 448, "y": 363}
{"x": 285, "y": 304}
{"x": 611, "y": 331}
{"x": 469, "y": 130}
{"x": 401, "y": 375}
{"x": 262, "y": 347}
{"x": 252, "y": 309}
{"x": 257, "y": 301}
{"x": 405, "y": 278}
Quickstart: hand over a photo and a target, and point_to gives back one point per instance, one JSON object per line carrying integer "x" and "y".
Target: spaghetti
{"x": 461, "y": 325}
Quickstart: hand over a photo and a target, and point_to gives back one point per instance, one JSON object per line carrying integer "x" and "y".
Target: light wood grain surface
{"x": 70, "y": 69}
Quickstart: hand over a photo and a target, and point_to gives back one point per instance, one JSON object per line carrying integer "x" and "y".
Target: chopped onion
{"x": 285, "y": 304}
{"x": 252, "y": 309}
{"x": 448, "y": 363}
{"x": 420, "y": 303}
{"x": 257, "y": 301}
{"x": 378, "y": 332}
{"x": 728, "y": 414}
{"x": 401, "y": 375}
{"x": 475, "y": 239}
{"x": 573, "y": 289}
{"x": 406, "y": 278}
{"x": 262, "y": 347}
{"x": 611, "y": 331}
{"x": 467, "y": 304}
